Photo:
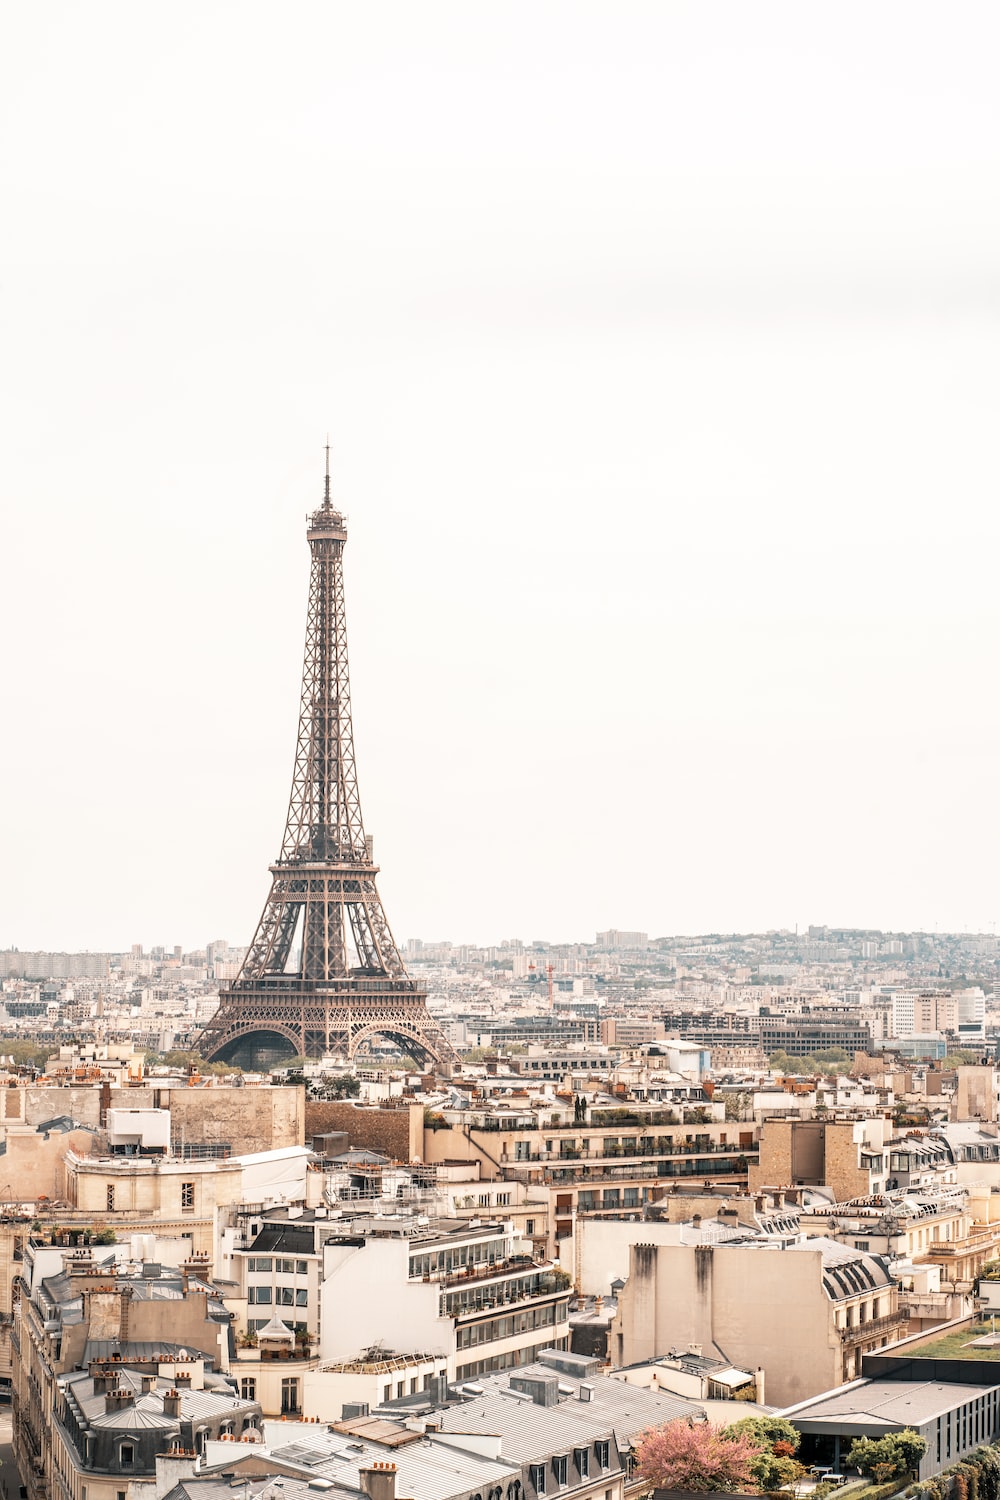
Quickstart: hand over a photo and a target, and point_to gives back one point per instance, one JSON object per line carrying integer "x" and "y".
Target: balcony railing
{"x": 629, "y": 1153}
{"x": 875, "y": 1328}
{"x": 732, "y": 1165}
{"x": 488, "y": 1271}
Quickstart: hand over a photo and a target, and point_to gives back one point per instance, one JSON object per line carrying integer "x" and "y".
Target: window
{"x": 302, "y": 1297}
{"x": 126, "y": 1455}
{"x": 259, "y": 1263}
{"x": 109, "y": 1198}
{"x": 302, "y": 1268}
{"x": 261, "y": 1295}
{"x": 503, "y": 1200}
{"x": 287, "y": 1266}
{"x": 284, "y": 1296}
{"x": 602, "y": 1449}
{"x": 187, "y": 1195}
{"x": 536, "y": 1473}
{"x": 248, "y": 1388}
{"x": 560, "y": 1469}
{"x": 529, "y": 1226}
{"x": 289, "y": 1396}
{"x": 581, "y": 1457}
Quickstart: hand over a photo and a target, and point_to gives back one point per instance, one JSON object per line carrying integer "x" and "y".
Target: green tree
{"x": 778, "y": 1442}
{"x": 888, "y": 1457}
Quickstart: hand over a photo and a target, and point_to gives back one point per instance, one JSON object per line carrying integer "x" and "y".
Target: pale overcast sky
{"x": 658, "y": 346}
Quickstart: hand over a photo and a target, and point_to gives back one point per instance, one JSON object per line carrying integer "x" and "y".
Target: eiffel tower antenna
{"x": 323, "y": 973}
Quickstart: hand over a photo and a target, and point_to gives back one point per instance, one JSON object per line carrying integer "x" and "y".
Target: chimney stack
{"x": 104, "y": 1379}
{"x": 379, "y": 1481}
{"x": 172, "y": 1404}
{"x": 118, "y": 1400}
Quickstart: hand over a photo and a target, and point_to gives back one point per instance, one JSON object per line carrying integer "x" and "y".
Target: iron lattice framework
{"x": 323, "y": 973}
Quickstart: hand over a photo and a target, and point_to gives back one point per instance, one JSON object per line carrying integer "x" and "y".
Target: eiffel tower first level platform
{"x": 323, "y": 973}
{"x": 260, "y": 1021}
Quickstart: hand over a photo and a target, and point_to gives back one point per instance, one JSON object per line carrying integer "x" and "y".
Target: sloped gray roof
{"x": 527, "y": 1430}
{"x": 132, "y": 1417}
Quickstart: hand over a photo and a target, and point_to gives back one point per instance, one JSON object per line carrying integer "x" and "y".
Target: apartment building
{"x": 613, "y": 1159}
{"x": 804, "y": 1310}
{"x": 549, "y": 1430}
{"x": 112, "y": 1363}
{"x": 476, "y": 1293}
{"x": 854, "y": 1158}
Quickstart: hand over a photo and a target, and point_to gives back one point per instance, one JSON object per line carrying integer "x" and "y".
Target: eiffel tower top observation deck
{"x": 323, "y": 973}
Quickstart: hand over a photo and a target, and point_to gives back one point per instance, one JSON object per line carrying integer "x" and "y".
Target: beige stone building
{"x": 805, "y": 1313}
{"x": 112, "y": 1367}
{"x": 614, "y": 1161}
{"x": 853, "y": 1157}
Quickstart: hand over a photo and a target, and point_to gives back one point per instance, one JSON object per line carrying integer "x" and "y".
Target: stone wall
{"x": 246, "y": 1119}
{"x": 396, "y": 1133}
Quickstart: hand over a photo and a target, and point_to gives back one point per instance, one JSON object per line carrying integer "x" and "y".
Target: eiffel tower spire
{"x": 323, "y": 972}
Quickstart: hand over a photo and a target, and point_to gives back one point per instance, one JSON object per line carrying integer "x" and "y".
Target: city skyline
{"x": 657, "y": 352}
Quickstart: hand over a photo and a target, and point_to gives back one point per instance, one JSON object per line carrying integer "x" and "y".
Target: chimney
{"x": 183, "y": 1379}
{"x": 172, "y": 1468}
{"x": 118, "y": 1400}
{"x": 148, "y": 1382}
{"x": 758, "y": 1381}
{"x": 379, "y": 1481}
{"x": 172, "y": 1404}
{"x": 199, "y": 1264}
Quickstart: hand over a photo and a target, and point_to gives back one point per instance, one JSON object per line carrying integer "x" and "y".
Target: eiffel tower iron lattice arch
{"x": 323, "y": 973}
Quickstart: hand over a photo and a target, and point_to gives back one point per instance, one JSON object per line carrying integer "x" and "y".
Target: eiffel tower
{"x": 323, "y": 973}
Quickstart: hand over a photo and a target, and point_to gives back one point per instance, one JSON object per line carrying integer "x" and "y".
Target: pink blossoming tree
{"x": 685, "y": 1456}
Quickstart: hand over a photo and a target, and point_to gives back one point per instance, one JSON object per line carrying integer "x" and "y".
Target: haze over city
{"x": 656, "y": 345}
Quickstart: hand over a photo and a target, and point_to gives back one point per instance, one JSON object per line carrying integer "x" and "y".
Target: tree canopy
{"x": 888, "y": 1457}
{"x": 685, "y": 1456}
{"x": 778, "y": 1441}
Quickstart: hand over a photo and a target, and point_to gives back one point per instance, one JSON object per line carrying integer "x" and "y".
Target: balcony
{"x": 456, "y": 1304}
{"x": 650, "y": 1152}
{"x": 483, "y": 1271}
{"x": 729, "y": 1164}
{"x": 894, "y": 1325}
